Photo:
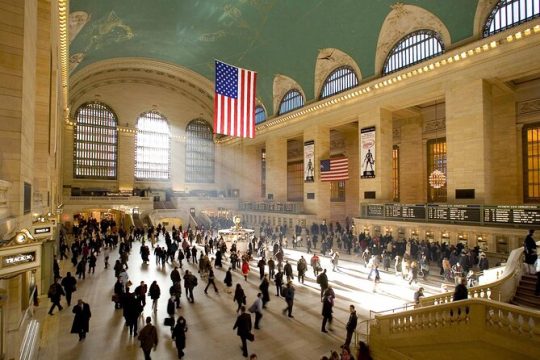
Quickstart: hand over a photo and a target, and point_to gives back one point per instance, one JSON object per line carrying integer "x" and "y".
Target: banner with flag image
{"x": 234, "y": 101}
{"x": 335, "y": 169}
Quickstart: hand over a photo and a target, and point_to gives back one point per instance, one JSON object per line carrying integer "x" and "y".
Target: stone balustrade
{"x": 501, "y": 329}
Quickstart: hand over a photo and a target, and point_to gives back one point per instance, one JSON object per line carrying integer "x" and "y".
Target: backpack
{"x": 195, "y": 281}
{"x": 52, "y": 291}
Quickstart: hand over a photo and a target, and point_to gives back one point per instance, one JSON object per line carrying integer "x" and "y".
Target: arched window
{"x": 341, "y": 79}
{"x": 413, "y": 49}
{"x": 510, "y": 13}
{"x": 199, "y": 152}
{"x": 531, "y": 162}
{"x": 292, "y": 100}
{"x": 95, "y": 142}
{"x": 152, "y": 147}
{"x": 260, "y": 114}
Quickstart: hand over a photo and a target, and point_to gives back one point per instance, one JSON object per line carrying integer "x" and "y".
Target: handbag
{"x": 168, "y": 321}
{"x": 250, "y": 337}
{"x": 115, "y": 298}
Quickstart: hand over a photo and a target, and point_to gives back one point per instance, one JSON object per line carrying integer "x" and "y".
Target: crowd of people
{"x": 205, "y": 250}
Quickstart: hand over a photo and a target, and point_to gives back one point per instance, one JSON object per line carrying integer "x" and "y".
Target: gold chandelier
{"x": 437, "y": 179}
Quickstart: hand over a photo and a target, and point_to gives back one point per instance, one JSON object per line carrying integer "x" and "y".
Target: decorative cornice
{"x": 528, "y": 107}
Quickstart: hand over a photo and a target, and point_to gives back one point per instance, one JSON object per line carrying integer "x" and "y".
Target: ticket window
{"x": 445, "y": 238}
{"x": 388, "y": 231}
{"x": 429, "y": 236}
{"x": 414, "y": 234}
{"x": 482, "y": 243}
{"x": 502, "y": 245}
{"x": 463, "y": 239}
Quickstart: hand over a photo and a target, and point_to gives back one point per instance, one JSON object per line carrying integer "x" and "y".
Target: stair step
{"x": 532, "y": 299}
{"x": 524, "y": 302}
{"x": 526, "y": 292}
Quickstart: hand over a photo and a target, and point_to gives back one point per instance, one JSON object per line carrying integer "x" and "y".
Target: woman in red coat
{"x": 245, "y": 269}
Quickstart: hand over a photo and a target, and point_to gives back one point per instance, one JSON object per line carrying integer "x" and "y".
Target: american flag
{"x": 335, "y": 169}
{"x": 234, "y": 101}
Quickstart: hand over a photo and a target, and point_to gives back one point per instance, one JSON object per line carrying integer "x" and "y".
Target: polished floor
{"x": 210, "y": 319}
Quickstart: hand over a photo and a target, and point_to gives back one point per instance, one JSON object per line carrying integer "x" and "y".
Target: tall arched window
{"x": 292, "y": 100}
{"x": 341, "y": 79}
{"x": 260, "y": 114}
{"x": 413, "y": 49}
{"x": 531, "y": 162}
{"x": 510, "y": 13}
{"x": 152, "y": 147}
{"x": 199, "y": 152}
{"x": 95, "y": 142}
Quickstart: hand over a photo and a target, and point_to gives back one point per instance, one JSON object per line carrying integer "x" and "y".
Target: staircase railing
{"x": 503, "y": 330}
{"x": 502, "y": 289}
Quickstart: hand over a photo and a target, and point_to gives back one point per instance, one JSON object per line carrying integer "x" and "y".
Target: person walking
{"x": 245, "y": 269}
{"x": 179, "y": 336}
{"x": 261, "y": 265}
{"x": 70, "y": 286}
{"x": 301, "y": 267}
{"x": 315, "y": 262}
{"x": 190, "y": 281}
{"x": 264, "y": 287}
{"x": 81, "y": 322}
{"x": 155, "y": 293}
{"x": 351, "y": 325}
{"x": 460, "y": 292}
{"x": 418, "y": 295}
{"x": 211, "y": 278}
{"x": 256, "y": 308}
{"x": 271, "y": 268}
{"x": 239, "y": 296}
{"x": 289, "y": 299}
{"x": 55, "y": 293}
{"x": 322, "y": 280}
{"x": 287, "y": 269}
{"x": 243, "y": 329}
{"x": 529, "y": 249}
{"x": 148, "y": 338}
{"x": 327, "y": 308}
{"x": 228, "y": 281}
{"x": 278, "y": 279}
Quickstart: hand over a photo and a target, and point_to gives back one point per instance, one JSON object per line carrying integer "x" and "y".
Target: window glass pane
{"x": 341, "y": 79}
{"x": 152, "y": 147}
{"x": 260, "y": 115}
{"x": 413, "y": 49}
{"x": 395, "y": 172}
{"x": 95, "y": 142}
{"x": 509, "y": 13}
{"x": 531, "y": 162}
{"x": 199, "y": 152}
{"x": 291, "y": 101}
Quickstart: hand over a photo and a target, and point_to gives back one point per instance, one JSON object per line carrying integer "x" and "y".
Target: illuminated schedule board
{"x": 517, "y": 215}
{"x": 520, "y": 215}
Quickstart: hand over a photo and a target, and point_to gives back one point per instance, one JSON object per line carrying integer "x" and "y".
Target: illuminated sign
{"x": 43, "y": 230}
{"x": 18, "y": 259}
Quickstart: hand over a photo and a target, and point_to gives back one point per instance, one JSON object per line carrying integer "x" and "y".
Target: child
{"x": 107, "y": 262}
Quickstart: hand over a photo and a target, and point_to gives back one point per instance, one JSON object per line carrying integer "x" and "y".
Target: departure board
{"x": 454, "y": 213}
{"x": 525, "y": 215}
{"x": 416, "y": 212}
{"x": 375, "y": 210}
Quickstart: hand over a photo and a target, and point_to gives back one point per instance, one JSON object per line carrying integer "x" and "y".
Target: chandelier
{"x": 437, "y": 179}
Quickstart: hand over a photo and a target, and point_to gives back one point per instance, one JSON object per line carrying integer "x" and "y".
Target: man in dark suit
{"x": 81, "y": 322}
{"x": 243, "y": 326}
{"x": 351, "y": 325}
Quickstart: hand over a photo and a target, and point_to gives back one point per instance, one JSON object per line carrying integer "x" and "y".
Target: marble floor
{"x": 210, "y": 319}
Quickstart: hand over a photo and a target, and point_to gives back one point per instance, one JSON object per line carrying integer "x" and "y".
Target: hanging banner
{"x": 309, "y": 161}
{"x": 367, "y": 152}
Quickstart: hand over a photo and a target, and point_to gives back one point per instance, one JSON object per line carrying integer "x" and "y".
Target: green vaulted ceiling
{"x": 268, "y": 36}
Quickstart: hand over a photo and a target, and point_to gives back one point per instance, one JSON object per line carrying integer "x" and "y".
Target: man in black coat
{"x": 460, "y": 292}
{"x": 243, "y": 326}
{"x": 81, "y": 322}
{"x": 70, "y": 286}
{"x": 351, "y": 326}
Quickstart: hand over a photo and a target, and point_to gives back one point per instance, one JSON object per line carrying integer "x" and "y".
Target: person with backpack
{"x": 211, "y": 278}
{"x": 55, "y": 293}
{"x": 190, "y": 281}
{"x": 155, "y": 293}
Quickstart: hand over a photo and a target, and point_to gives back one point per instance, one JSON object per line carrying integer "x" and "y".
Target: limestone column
{"x": 125, "y": 163}
{"x": 381, "y": 184}
{"x": 251, "y": 171}
{"x": 351, "y": 186}
{"x": 18, "y": 43}
{"x": 320, "y": 205}
{"x": 468, "y": 122}
{"x": 276, "y": 168}
{"x": 411, "y": 169}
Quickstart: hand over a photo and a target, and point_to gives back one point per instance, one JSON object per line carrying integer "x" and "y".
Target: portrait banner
{"x": 367, "y": 152}
{"x": 309, "y": 161}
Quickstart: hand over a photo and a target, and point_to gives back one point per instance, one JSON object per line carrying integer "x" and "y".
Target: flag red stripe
{"x": 339, "y": 170}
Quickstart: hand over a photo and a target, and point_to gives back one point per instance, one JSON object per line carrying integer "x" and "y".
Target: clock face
{"x": 20, "y": 239}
